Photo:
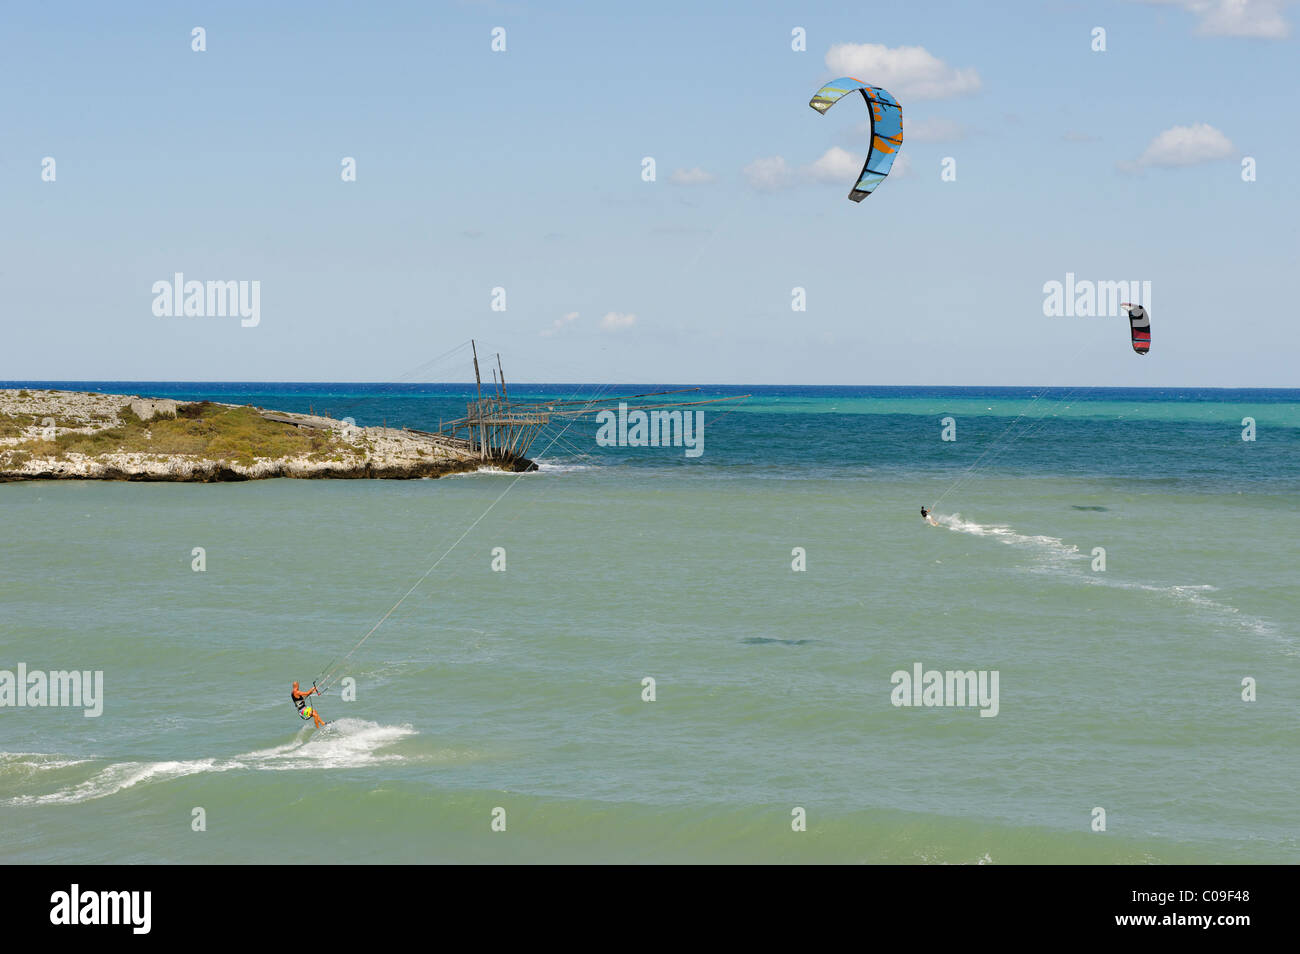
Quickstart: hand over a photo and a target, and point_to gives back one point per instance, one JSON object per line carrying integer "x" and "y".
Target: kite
{"x": 1139, "y": 326}
{"x": 886, "y": 129}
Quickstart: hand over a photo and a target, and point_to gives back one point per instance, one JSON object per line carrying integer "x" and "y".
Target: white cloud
{"x": 614, "y": 321}
{"x": 687, "y": 177}
{"x": 933, "y": 130}
{"x": 1187, "y": 146}
{"x": 560, "y": 324}
{"x": 835, "y": 165}
{"x": 768, "y": 175}
{"x": 909, "y": 72}
{"x": 1255, "y": 18}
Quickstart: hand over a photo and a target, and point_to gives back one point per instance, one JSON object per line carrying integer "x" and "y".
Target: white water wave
{"x": 487, "y": 470}
{"x": 1194, "y": 596}
{"x": 345, "y": 743}
{"x": 548, "y": 467}
{"x": 121, "y": 775}
{"x": 35, "y": 761}
{"x": 1048, "y": 546}
{"x": 1061, "y": 553}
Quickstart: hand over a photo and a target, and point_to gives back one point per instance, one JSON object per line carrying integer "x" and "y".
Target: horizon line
{"x": 45, "y": 383}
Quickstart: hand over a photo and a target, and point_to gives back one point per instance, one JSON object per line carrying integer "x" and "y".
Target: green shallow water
{"x": 522, "y": 689}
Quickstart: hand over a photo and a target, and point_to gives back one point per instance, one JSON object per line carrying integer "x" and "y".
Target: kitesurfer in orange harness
{"x": 926, "y": 515}
{"x": 300, "y": 700}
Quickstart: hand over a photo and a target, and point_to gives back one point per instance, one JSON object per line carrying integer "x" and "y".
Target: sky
{"x": 524, "y": 169}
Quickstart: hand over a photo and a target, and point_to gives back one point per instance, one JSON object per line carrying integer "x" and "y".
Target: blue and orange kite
{"x": 886, "y": 129}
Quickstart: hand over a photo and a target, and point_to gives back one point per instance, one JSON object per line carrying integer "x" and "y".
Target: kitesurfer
{"x": 926, "y": 515}
{"x": 300, "y": 700}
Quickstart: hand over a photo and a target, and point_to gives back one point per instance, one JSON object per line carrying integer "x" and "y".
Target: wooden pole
{"x": 478, "y": 381}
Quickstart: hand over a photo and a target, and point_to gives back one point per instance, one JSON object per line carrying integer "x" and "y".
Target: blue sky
{"x": 522, "y": 169}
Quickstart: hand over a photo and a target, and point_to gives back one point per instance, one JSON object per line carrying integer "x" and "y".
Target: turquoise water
{"x": 522, "y": 689}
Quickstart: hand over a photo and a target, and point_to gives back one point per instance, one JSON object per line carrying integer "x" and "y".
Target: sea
{"x": 636, "y": 655}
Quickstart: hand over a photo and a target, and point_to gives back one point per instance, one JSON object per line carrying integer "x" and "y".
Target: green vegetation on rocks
{"x": 210, "y": 431}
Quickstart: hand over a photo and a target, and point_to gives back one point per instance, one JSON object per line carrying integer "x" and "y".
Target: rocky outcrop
{"x": 34, "y": 444}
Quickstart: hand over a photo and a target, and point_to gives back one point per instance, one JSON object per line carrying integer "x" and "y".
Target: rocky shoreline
{"x": 75, "y": 435}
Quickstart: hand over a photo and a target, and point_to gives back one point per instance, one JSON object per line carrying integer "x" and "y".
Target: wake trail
{"x": 344, "y": 743}
{"x": 1066, "y": 559}
{"x": 1053, "y": 547}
